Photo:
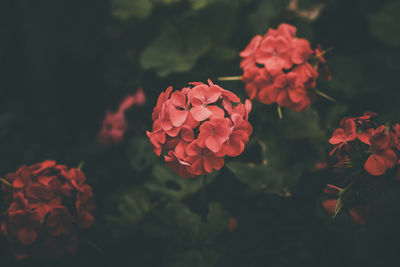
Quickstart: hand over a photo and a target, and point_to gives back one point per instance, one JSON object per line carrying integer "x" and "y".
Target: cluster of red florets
{"x": 46, "y": 204}
{"x": 114, "y": 124}
{"x": 195, "y": 128}
{"x": 276, "y": 68}
{"x": 380, "y": 143}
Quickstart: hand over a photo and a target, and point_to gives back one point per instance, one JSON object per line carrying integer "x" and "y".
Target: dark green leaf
{"x": 182, "y": 227}
{"x": 126, "y": 9}
{"x": 139, "y": 153}
{"x": 385, "y": 24}
{"x": 169, "y": 184}
{"x": 130, "y": 207}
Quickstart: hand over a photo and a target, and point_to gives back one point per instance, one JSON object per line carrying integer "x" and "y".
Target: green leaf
{"x": 139, "y": 153}
{"x": 184, "y": 228}
{"x": 223, "y": 53}
{"x": 174, "y": 51}
{"x": 268, "y": 10}
{"x": 265, "y": 178}
{"x": 169, "y": 184}
{"x": 129, "y": 209}
{"x": 188, "y": 37}
{"x": 299, "y": 125}
{"x": 169, "y": 2}
{"x": 200, "y": 4}
{"x": 385, "y": 24}
{"x": 124, "y": 10}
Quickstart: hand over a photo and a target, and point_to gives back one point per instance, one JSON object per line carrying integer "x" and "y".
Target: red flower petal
{"x": 359, "y": 215}
{"x": 200, "y": 113}
{"x": 27, "y": 235}
{"x": 375, "y": 165}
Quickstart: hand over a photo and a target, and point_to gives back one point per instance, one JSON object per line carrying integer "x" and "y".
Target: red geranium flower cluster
{"x": 359, "y": 213}
{"x": 114, "y": 124}
{"x": 195, "y": 128}
{"x": 277, "y": 68}
{"x": 379, "y": 143}
{"x": 46, "y": 204}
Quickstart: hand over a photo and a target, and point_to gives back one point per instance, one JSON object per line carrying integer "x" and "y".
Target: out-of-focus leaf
{"x": 200, "y": 4}
{"x": 280, "y": 168}
{"x": 265, "y": 13}
{"x": 223, "y": 53}
{"x": 182, "y": 227}
{"x": 169, "y": 184}
{"x": 169, "y": 2}
{"x": 140, "y": 155}
{"x": 299, "y": 125}
{"x": 126, "y": 9}
{"x": 173, "y": 51}
{"x": 179, "y": 46}
{"x": 385, "y": 24}
{"x": 265, "y": 178}
{"x": 130, "y": 208}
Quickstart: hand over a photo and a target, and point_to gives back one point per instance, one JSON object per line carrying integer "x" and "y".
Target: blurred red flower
{"x": 40, "y": 213}
{"x": 276, "y": 68}
{"x": 114, "y": 124}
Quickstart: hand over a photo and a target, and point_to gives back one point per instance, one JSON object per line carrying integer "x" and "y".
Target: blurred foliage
{"x": 385, "y": 24}
{"x": 147, "y": 215}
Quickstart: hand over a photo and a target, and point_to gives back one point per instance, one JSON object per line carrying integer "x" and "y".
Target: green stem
{"x": 230, "y": 78}
{"x": 324, "y": 95}
{"x": 4, "y": 181}
{"x": 80, "y": 166}
{"x": 280, "y": 112}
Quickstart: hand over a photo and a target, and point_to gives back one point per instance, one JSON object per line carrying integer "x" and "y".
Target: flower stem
{"x": 203, "y": 199}
{"x": 230, "y": 78}
{"x": 324, "y": 95}
{"x": 80, "y": 166}
{"x": 280, "y": 112}
{"x": 4, "y": 181}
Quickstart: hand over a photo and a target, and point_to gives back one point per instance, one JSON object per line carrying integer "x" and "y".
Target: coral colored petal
{"x": 283, "y": 99}
{"x": 186, "y": 133}
{"x": 330, "y": 205}
{"x": 178, "y": 99}
{"x": 231, "y": 96}
{"x": 296, "y": 95}
{"x": 216, "y": 112}
{"x": 193, "y": 149}
{"x": 365, "y": 136}
{"x": 27, "y": 235}
{"x": 359, "y": 215}
{"x": 211, "y": 162}
{"x": 177, "y": 117}
{"x": 332, "y": 189}
{"x": 389, "y": 156}
{"x": 337, "y": 137}
{"x": 251, "y": 47}
{"x": 200, "y": 113}
{"x": 375, "y": 165}
{"x": 214, "y": 143}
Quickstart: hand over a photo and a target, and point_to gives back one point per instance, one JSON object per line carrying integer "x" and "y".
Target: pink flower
{"x": 195, "y": 128}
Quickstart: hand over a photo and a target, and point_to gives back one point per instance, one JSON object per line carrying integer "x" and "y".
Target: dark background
{"x": 63, "y": 64}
